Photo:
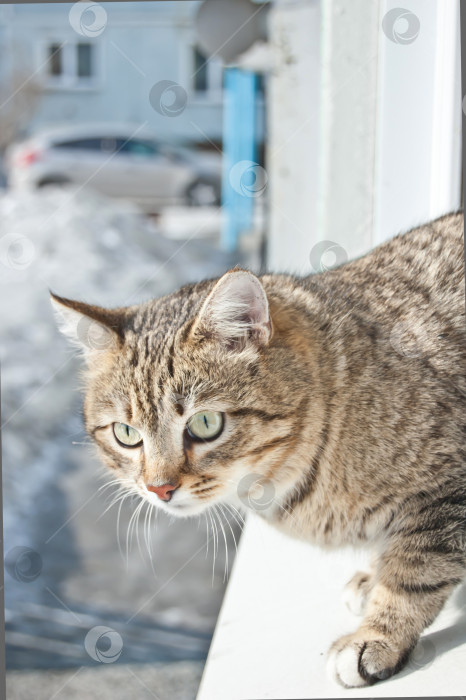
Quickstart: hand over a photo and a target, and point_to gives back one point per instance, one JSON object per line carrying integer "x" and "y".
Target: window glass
{"x": 91, "y": 144}
{"x": 200, "y": 71}
{"x": 137, "y": 147}
{"x": 84, "y": 60}
{"x": 55, "y": 56}
{"x": 70, "y": 62}
{"x": 108, "y": 144}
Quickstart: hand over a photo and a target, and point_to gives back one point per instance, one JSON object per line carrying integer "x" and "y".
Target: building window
{"x": 84, "y": 60}
{"x": 207, "y": 74}
{"x": 55, "y": 59}
{"x": 70, "y": 64}
{"x": 200, "y": 71}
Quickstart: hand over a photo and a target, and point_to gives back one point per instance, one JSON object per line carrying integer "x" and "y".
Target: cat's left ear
{"x": 92, "y": 329}
{"x": 236, "y": 312}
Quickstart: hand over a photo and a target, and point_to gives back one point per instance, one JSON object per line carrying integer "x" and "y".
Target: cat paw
{"x": 356, "y": 592}
{"x": 354, "y": 662}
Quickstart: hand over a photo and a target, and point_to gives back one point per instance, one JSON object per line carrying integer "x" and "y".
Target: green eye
{"x": 126, "y": 435}
{"x": 205, "y": 425}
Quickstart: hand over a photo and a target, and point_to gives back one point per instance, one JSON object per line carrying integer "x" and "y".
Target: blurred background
{"x": 144, "y": 145}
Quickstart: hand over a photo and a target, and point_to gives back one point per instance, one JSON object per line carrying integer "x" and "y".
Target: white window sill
{"x": 76, "y": 87}
{"x": 283, "y": 609}
{"x": 205, "y": 99}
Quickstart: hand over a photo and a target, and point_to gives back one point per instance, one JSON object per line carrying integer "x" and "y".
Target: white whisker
{"x": 136, "y": 524}
{"x": 231, "y": 529}
{"x": 235, "y": 513}
{"x": 218, "y": 516}
{"x": 129, "y": 532}
{"x": 114, "y": 502}
{"x": 119, "y": 481}
{"x": 118, "y": 523}
{"x": 207, "y": 533}
{"x": 215, "y": 537}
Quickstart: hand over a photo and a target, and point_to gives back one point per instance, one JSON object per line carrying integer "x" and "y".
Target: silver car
{"x": 119, "y": 161}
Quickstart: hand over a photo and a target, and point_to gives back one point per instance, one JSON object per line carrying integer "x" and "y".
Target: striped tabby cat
{"x": 341, "y": 395}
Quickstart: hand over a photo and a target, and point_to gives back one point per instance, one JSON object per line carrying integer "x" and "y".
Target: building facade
{"x": 90, "y": 62}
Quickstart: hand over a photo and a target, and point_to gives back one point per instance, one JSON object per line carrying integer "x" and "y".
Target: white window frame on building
{"x": 64, "y": 56}
{"x": 211, "y": 70}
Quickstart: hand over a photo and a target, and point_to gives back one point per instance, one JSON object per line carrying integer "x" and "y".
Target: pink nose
{"x": 163, "y": 492}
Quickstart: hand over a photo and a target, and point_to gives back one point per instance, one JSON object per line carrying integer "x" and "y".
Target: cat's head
{"x": 191, "y": 398}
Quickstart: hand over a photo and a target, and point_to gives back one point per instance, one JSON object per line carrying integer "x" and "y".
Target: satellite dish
{"x": 228, "y": 28}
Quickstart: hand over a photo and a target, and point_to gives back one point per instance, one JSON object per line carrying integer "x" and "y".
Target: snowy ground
{"x": 71, "y": 577}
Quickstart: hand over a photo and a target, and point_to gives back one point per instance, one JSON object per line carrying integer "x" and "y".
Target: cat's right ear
{"x": 236, "y": 312}
{"x": 92, "y": 329}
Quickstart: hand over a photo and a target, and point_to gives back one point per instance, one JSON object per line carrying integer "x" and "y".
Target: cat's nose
{"x": 164, "y": 492}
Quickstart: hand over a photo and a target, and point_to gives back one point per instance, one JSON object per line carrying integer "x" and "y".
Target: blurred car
{"x": 119, "y": 161}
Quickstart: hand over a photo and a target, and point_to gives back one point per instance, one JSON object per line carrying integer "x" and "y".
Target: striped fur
{"x": 343, "y": 392}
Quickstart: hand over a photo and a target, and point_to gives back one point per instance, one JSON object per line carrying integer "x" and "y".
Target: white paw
{"x": 342, "y": 666}
{"x": 356, "y": 592}
{"x": 354, "y": 600}
{"x": 356, "y": 660}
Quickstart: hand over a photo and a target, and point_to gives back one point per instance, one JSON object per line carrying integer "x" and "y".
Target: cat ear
{"x": 236, "y": 311}
{"x": 91, "y": 328}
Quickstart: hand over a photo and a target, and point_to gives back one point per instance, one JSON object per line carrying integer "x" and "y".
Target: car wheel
{"x": 203, "y": 193}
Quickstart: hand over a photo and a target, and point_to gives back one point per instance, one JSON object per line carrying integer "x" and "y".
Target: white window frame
{"x": 214, "y": 91}
{"x": 388, "y": 188}
{"x": 69, "y": 80}
{"x": 427, "y": 182}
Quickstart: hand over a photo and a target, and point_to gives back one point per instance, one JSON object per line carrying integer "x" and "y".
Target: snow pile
{"x": 83, "y": 246}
